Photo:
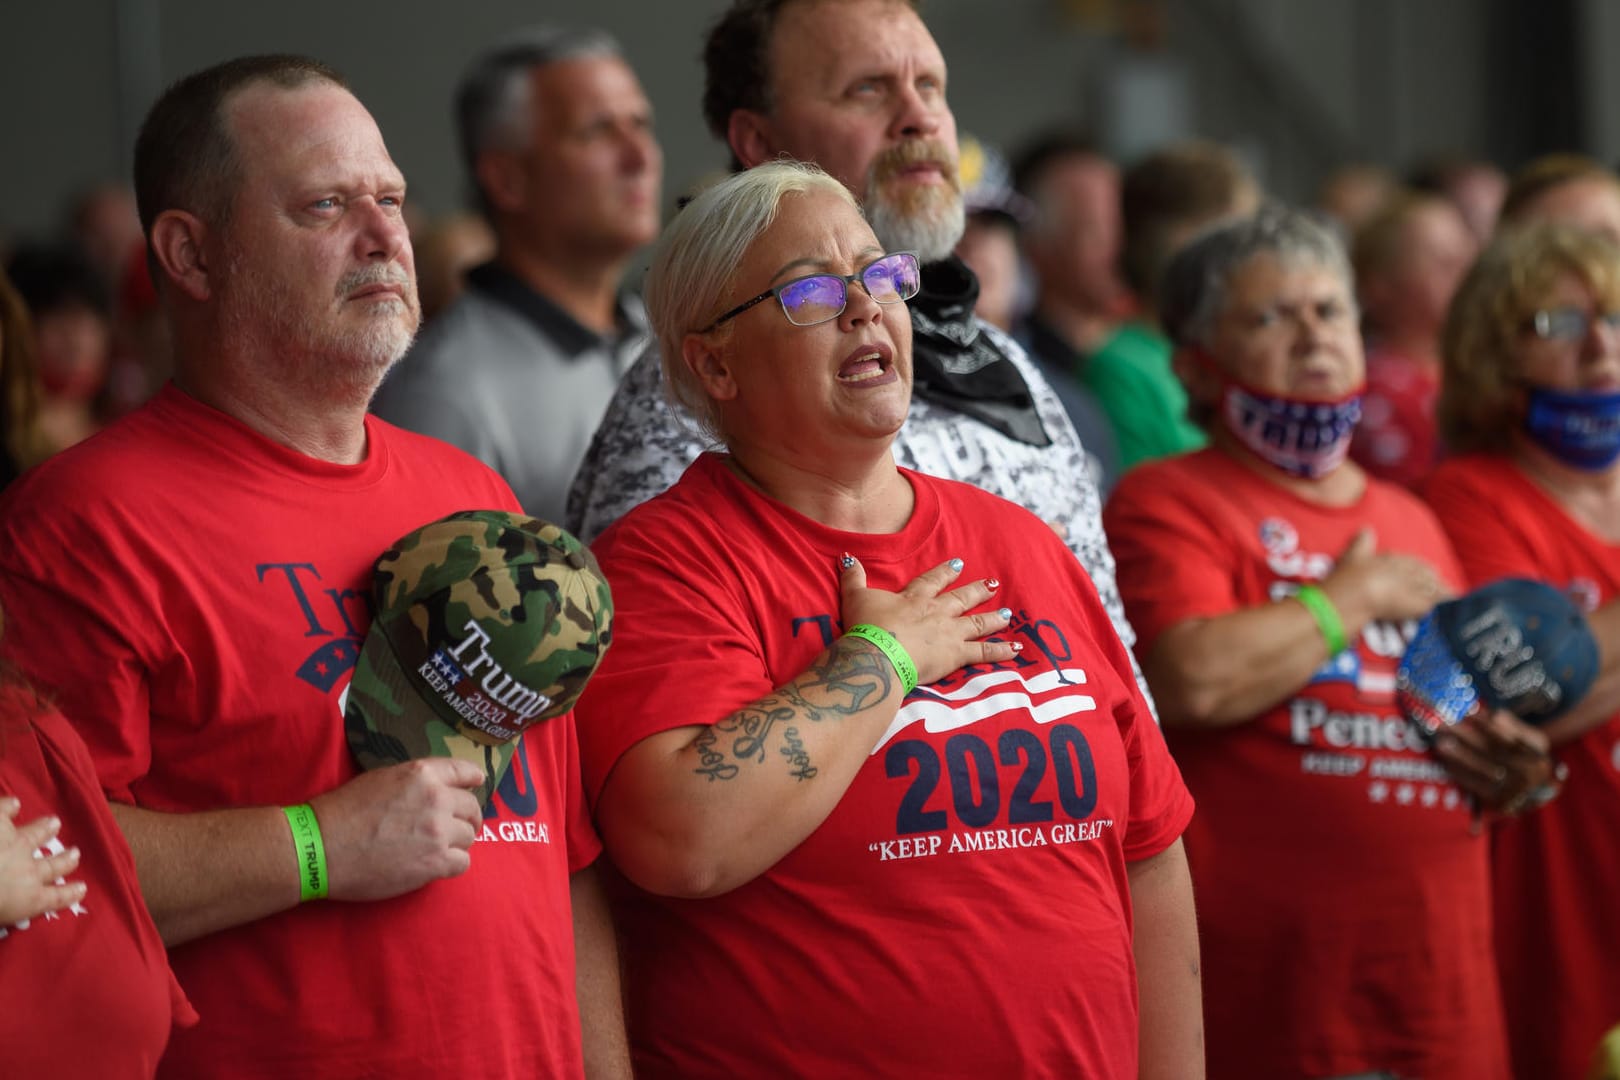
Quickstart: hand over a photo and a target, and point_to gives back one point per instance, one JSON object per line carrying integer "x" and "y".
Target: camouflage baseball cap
{"x": 486, "y": 623}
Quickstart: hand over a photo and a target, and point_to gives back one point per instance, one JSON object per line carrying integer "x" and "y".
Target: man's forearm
{"x": 208, "y": 871}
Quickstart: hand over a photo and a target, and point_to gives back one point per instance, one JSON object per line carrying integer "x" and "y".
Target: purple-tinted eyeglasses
{"x": 816, "y": 298}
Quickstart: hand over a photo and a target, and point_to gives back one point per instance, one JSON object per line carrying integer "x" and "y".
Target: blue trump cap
{"x": 1514, "y": 644}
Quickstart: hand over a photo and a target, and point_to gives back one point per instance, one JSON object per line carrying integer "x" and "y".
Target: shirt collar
{"x": 501, "y": 285}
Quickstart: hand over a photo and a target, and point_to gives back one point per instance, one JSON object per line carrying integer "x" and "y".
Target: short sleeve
{"x": 1160, "y": 804}
{"x": 685, "y": 649}
{"x": 1169, "y": 555}
{"x": 583, "y": 843}
{"x": 80, "y": 653}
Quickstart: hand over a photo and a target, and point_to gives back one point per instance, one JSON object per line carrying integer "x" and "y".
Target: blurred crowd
{"x": 1067, "y": 246}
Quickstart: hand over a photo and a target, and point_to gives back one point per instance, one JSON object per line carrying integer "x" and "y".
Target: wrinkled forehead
{"x": 1281, "y": 276}
{"x": 820, "y": 43}
{"x": 316, "y": 134}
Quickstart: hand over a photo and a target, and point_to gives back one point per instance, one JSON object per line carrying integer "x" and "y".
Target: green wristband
{"x": 306, "y": 833}
{"x": 891, "y": 648}
{"x": 1327, "y": 617}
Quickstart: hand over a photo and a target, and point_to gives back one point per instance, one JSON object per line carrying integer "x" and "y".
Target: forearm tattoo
{"x": 848, "y": 678}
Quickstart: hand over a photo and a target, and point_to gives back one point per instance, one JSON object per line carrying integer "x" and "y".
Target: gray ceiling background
{"x": 1297, "y": 84}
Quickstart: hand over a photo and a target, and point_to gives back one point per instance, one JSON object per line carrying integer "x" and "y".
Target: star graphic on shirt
{"x": 1431, "y": 796}
{"x": 329, "y": 661}
{"x": 1378, "y": 791}
{"x": 1405, "y": 794}
{"x": 1451, "y": 799}
{"x": 1342, "y": 667}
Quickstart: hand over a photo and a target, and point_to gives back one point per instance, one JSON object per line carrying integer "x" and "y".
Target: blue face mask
{"x": 1308, "y": 439}
{"x": 1582, "y": 430}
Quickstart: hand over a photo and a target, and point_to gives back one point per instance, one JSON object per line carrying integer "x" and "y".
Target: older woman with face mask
{"x": 881, "y": 813}
{"x": 1274, "y": 586}
{"x": 1531, "y": 407}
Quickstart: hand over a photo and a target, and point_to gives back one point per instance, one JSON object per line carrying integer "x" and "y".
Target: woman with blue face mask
{"x": 1273, "y": 586}
{"x": 1530, "y": 407}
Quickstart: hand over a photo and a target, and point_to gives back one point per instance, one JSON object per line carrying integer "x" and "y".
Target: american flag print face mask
{"x": 1308, "y": 439}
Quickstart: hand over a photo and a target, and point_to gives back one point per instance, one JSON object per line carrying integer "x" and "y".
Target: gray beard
{"x": 349, "y": 363}
{"x": 932, "y": 234}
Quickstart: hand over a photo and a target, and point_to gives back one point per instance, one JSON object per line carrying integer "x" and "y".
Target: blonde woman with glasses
{"x": 866, "y": 747}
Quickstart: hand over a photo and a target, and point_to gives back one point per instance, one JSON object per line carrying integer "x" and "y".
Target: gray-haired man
{"x": 557, "y": 137}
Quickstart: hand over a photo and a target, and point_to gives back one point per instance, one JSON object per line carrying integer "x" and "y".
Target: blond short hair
{"x": 694, "y": 264}
{"x": 1486, "y": 325}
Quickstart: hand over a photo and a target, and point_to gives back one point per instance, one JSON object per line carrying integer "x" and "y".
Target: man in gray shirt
{"x": 557, "y": 137}
{"x": 858, "y": 87}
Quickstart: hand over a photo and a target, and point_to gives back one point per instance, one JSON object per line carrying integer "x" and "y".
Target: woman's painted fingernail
{"x": 956, "y": 565}
{"x": 847, "y": 561}
{"x": 1005, "y": 613}
{"x": 1018, "y": 646}
{"x": 992, "y": 583}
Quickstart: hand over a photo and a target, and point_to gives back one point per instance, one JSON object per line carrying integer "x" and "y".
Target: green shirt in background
{"x": 1132, "y": 379}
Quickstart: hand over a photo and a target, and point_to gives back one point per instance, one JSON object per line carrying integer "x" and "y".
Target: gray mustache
{"x": 392, "y": 274}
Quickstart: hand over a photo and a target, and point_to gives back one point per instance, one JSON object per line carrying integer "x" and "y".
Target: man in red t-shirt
{"x": 192, "y": 586}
